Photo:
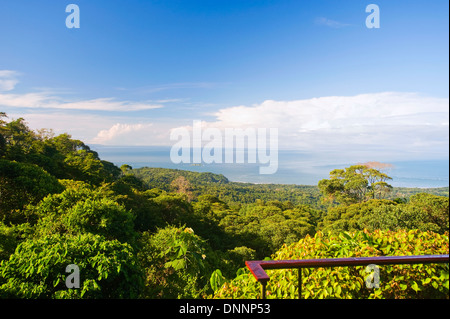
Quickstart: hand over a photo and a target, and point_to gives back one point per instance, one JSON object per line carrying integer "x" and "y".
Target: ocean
{"x": 294, "y": 167}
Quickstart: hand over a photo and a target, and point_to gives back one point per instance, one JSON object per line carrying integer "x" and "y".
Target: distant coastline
{"x": 295, "y": 167}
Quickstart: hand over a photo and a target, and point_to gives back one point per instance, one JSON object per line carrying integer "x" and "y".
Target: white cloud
{"x": 389, "y": 122}
{"x": 108, "y": 104}
{"x": 98, "y": 129}
{"x": 80, "y": 126}
{"x": 50, "y": 100}
{"x": 8, "y": 80}
{"x": 330, "y": 23}
{"x": 137, "y": 134}
{"x": 118, "y": 131}
{"x": 44, "y": 100}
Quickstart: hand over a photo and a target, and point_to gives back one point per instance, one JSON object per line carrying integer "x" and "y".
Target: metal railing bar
{"x": 257, "y": 267}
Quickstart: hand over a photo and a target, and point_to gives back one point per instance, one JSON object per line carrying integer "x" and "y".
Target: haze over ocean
{"x": 294, "y": 167}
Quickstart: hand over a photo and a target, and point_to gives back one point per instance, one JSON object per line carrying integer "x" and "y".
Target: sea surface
{"x": 294, "y": 167}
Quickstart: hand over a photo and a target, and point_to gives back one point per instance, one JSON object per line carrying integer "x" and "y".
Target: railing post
{"x": 263, "y": 289}
{"x": 299, "y": 283}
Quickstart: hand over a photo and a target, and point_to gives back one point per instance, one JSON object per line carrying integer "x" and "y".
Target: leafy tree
{"x": 426, "y": 212}
{"x": 82, "y": 208}
{"x": 17, "y": 139}
{"x": 174, "y": 208}
{"x": 10, "y": 237}
{"x": 22, "y": 184}
{"x": 182, "y": 186}
{"x": 354, "y": 184}
{"x": 264, "y": 227}
{"x": 108, "y": 269}
{"x": 373, "y": 214}
{"x": 125, "y": 168}
{"x": 174, "y": 259}
{"x": 2, "y": 134}
{"x": 61, "y": 156}
{"x": 240, "y": 254}
{"x": 133, "y": 195}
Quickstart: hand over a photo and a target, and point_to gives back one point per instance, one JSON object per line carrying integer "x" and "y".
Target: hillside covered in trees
{"x": 160, "y": 233}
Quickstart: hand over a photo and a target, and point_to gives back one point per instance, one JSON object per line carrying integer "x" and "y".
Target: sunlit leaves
{"x": 37, "y": 268}
{"x": 396, "y": 281}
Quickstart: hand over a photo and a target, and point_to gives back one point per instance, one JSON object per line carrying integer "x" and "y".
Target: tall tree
{"x": 182, "y": 186}
{"x": 355, "y": 184}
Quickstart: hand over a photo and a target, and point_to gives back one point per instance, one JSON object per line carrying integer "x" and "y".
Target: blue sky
{"x": 134, "y": 70}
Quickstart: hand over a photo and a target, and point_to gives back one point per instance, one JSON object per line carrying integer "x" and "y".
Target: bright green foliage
{"x": 108, "y": 269}
{"x": 10, "y": 237}
{"x": 16, "y": 139}
{"x": 239, "y": 255}
{"x": 427, "y": 212}
{"x": 130, "y": 231}
{"x": 183, "y": 250}
{"x": 8, "y": 241}
{"x": 236, "y": 194}
{"x": 174, "y": 259}
{"x": 79, "y": 162}
{"x": 174, "y": 208}
{"x": 423, "y": 212}
{"x": 266, "y": 226}
{"x": 83, "y": 209}
{"x": 243, "y": 286}
{"x": 22, "y": 184}
{"x": 396, "y": 281}
{"x": 373, "y": 214}
{"x": 61, "y": 156}
{"x": 217, "y": 279}
{"x": 163, "y": 178}
{"x": 355, "y": 184}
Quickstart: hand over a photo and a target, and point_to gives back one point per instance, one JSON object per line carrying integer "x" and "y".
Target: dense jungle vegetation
{"x": 161, "y": 233}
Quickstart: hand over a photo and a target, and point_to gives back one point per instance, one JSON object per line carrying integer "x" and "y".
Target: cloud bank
{"x": 132, "y": 134}
{"x": 45, "y": 99}
{"x": 397, "y": 124}
{"x": 388, "y": 122}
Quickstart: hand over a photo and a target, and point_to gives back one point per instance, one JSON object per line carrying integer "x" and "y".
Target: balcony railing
{"x": 257, "y": 267}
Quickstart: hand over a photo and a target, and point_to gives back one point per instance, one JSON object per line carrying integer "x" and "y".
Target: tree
{"x": 125, "y": 168}
{"x": 22, "y": 184}
{"x": 37, "y": 269}
{"x": 61, "y": 156}
{"x": 2, "y": 132}
{"x": 182, "y": 186}
{"x": 426, "y": 212}
{"x": 371, "y": 214}
{"x": 355, "y": 184}
{"x": 82, "y": 208}
{"x": 17, "y": 139}
{"x": 175, "y": 261}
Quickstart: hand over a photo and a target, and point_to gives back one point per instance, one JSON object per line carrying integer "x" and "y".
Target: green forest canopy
{"x": 162, "y": 233}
